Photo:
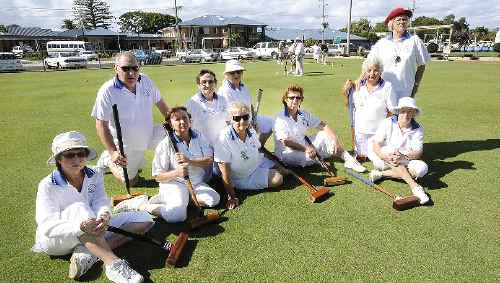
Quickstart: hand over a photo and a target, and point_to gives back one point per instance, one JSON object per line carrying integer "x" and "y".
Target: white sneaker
{"x": 420, "y": 194}
{"x": 81, "y": 261}
{"x": 119, "y": 271}
{"x": 133, "y": 204}
{"x": 375, "y": 175}
{"x": 352, "y": 163}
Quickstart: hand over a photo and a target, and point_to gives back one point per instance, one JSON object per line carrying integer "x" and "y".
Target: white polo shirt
{"x": 412, "y": 53}
{"x": 55, "y": 194}
{"x": 231, "y": 93}
{"x": 243, "y": 156}
{"x": 390, "y": 135}
{"x": 285, "y": 127}
{"x": 164, "y": 158}
{"x": 135, "y": 111}
{"x": 371, "y": 108}
{"x": 208, "y": 117}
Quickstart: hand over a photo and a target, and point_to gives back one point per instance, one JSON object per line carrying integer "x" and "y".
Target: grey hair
{"x": 389, "y": 25}
{"x": 237, "y": 106}
{"x": 372, "y": 60}
{"x": 122, "y": 54}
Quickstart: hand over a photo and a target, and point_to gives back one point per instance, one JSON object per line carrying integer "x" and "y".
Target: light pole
{"x": 349, "y": 28}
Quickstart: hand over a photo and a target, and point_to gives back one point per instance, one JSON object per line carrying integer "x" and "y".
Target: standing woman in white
{"x": 373, "y": 102}
{"x": 403, "y": 55}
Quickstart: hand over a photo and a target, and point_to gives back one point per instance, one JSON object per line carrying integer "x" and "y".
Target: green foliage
{"x": 145, "y": 22}
{"x": 277, "y": 235}
{"x": 234, "y": 39}
{"x": 68, "y": 24}
{"x": 380, "y": 27}
{"x": 308, "y": 42}
{"x": 92, "y": 14}
{"x": 496, "y": 47}
{"x": 426, "y": 21}
{"x": 2, "y": 28}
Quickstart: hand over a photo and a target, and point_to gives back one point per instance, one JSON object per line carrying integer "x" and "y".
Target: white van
{"x": 9, "y": 62}
{"x": 266, "y": 49}
{"x": 68, "y": 46}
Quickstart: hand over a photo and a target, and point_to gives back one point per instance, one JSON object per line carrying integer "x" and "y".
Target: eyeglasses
{"x": 71, "y": 155}
{"x": 294, "y": 97}
{"x": 235, "y": 72}
{"x": 244, "y": 117}
{"x": 127, "y": 69}
{"x": 401, "y": 19}
{"x": 207, "y": 82}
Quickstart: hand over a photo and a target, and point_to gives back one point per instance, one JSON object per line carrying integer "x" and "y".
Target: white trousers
{"x": 418, "y": 166}
{"x": 298, "y": 65}
{"x": 323, "y": 145}
{"x": 78, "y": 212}
{"x": 174, "y": 199}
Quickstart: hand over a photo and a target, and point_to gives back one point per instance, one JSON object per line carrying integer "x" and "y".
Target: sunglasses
{"x": 129, "y": 68}
{"x": 71, "y": 155}
{"x": 294, "y": 97}
{"x": 209, "y": 82}
{"x": 244, "y": 117}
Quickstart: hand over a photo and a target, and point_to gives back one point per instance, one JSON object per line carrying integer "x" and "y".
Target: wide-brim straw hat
{"x": 70, "y": 140}
{"x": 233, "y": 65}
{"x": 408, "y": 102}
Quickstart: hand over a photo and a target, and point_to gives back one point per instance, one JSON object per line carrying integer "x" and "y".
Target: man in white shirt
{"x": 299, "y": 57}
{"x": 135, "y": 95}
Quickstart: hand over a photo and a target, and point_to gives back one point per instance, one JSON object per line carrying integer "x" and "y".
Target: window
{"x": 206, "y": 30}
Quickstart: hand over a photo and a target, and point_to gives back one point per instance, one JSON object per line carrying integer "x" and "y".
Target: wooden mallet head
{"x": 337, "y": 180}
{"x": 204, "y": 219}
{"x": 176, "y": 250}
{"x": 319, "y": 194}
{"x": 405, "y": 203}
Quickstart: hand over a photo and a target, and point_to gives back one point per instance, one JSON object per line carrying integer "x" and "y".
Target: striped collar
{"x": 203, "y": 98}
{"x": 59, "y": 179}
{"x": 118, "y": 84}
{"x": 406, "y": 35}
{"x": 380, "y": 82}
{"x": 287, "y": 114}
{"x": 234, "y": 134}
{"x": 178, "y": 139}
{"x": 414, "y": 124}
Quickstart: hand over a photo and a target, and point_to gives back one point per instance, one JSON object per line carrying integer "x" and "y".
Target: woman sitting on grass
{"x": 72, "y": 213}
{"x": 372, "y": 103}
{"x": 397, "y": 147}
{"x": 237, "y": 154}
{"x": 195, "y": 157}
{"x": 290, "y": 128}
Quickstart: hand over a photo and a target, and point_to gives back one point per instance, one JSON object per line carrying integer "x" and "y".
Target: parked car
{"x": 140, "y": 56}
{"x": 266, "y": 49}
{"x": 89, "y": 55}
{"x": 153, "y": 58}
{"x": 61, "y": 60}
{"x": 181, "y": 52}
{"x": 335, "y": 49}
{"x": 163, "y": 52}
{"x": 208, "y": 55}
{"x": 248, "y": 53}
{"x": 10, "y": 62}
{"x": 232, "y": 53}
{"x": 20, "y": 50}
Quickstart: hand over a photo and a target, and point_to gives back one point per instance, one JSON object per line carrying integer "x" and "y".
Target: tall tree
{"x": 92, "y": 14}
{"x": 2, "y": 28}
{"x": 142, "y": 22}
{"x": 426, "y": 21}
{"x": 68, "y": 24}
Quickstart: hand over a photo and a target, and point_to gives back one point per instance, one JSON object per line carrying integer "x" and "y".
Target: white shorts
{"x": 419, "y": 167}
{"x": 323, "y": 145}
{"x": 63, "y": 245}
{"x": 258, "y": 180}
{"x": 174, "y": 199}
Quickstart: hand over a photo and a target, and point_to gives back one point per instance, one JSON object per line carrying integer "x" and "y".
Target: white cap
{"x": 408, "y": 102}
{"x": 67, "y": 141}
{"x": 233, "y": 65}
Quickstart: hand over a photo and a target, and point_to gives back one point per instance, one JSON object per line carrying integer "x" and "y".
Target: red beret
{"x": 397, "y": 12}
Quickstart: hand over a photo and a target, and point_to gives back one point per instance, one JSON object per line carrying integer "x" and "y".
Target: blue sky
{"x": 275, "y": 13}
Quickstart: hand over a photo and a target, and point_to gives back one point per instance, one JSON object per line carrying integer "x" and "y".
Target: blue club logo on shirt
{"x": 244, "y": 155}
{"x": 91, "y": 188}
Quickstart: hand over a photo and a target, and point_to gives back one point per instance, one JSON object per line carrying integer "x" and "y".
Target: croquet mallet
{"x": 257, "y": 106}
{"x": 333, "y": 179}
{"x": 316, "y": 194}
{"x": 398, "y": 203}
{"x": 201, "y": 218}
{"x": 118, "y": 199}
{"x": 174, "y": 250}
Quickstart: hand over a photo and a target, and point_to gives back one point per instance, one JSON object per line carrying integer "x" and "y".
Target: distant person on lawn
{"x": 397, "y": 147}
{"x": 135, "y": 95}
{"x": 72, "y": 213}
{"x": 403, "y": 55}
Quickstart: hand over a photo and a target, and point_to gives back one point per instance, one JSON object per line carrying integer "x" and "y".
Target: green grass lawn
{"x": 278, "y": 235}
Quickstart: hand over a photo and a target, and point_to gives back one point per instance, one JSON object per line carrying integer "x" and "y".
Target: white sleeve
{"x": 417, "y": 141}
{"x": 48, "y": 216}
{"x": 100, "y": 202}
{"x": 381, "y": 133}
{"x": 154, "y": 90}
{"x": 103, "y": 105}
{"x": 161, "y": 159}
{"x": 422, "y": 55}
{"x": 391, "y": 100}
{"x": 280, "y": 129}
{"x": 222, "y": 151}
{"x": 312, "y": 121}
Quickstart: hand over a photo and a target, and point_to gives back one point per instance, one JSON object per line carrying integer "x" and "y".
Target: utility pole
{"x": 413, "y": 12}
{"x": 177, "y": 30}
{"x": 324, "y": 19}
{"x": 349, "y": 28}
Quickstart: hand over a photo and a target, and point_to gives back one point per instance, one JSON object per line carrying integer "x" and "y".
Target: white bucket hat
{"x": 67, "y": 141}
{"x": 233, "y": 65}
{"x": 408, "y": 102}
